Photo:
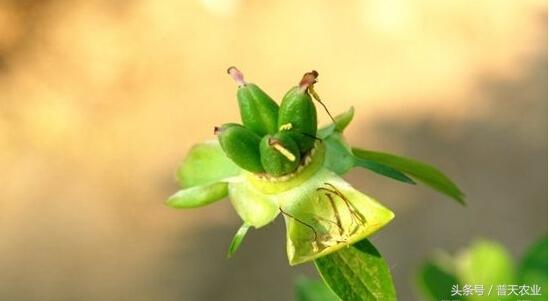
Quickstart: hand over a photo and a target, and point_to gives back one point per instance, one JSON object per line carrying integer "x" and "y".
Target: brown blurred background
{"x": 100, "y": 100}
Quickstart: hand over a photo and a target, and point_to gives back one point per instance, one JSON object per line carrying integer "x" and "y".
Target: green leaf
{"x": 313, "y": 290}
{"x": 435, "y": 282}
{"x": 533, "y": 268}
{"x": 326, "y": 131}
{"x": 486, "y": 263}
{"x": 340, "y": 159}
{"x": 198, "y": 196}
{"x": 237, "y": 239}
{"x": 204, "y": 164}
{"x": 341, "y": 122}
{"x": 357, "y": 273}
{"x": 383, "y": 170}
{"x": 423, "y": 172}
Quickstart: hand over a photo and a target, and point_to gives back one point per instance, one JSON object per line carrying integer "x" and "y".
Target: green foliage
{"x": 421, "y": 171}
{"x": 313, "y": 290}
{"x": 487, "y": 264}
{"x": 357, "y": 273}
{"x": 435, "y": 282}
{"x": 341, "y": 159}
{"x": 383, "y": 170}
{"x": 533, "y": 266}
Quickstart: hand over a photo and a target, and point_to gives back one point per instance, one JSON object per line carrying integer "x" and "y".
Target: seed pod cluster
{"x": 272, "y": 139}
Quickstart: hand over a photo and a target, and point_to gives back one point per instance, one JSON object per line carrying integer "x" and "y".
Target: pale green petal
{"x": 323, "y": 213}
{"x": 256, "y": 198}
{"x": 317, "y": 226}
{"x": 198, "y": 196}
{"x": 205, "y": 163}
{"x": 254, "y": 207}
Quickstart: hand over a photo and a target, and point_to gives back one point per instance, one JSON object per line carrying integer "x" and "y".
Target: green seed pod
{"x": 241, "y": 145}
{"x": 223, "y": 128}
{"x": 258, "y": 111}
{"x": 298, "y": 116}
{"x": 298, "y": 113}
{"x": 280, "y": 154}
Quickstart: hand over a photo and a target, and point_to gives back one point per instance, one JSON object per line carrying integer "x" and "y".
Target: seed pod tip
{"x": 236, "y": 75}
{"x": 308, "y": 80}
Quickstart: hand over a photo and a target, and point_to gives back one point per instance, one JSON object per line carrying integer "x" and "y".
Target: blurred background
{"x": 100, "y": 100}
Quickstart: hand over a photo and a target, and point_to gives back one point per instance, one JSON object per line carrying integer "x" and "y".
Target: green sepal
{"x": 341, "y": 122}
{"x": 339, "y": 157}
{"x": 205, "y": 163}
{"x": 237, "y": 239}
{"x": 198, "y": 196}
{"x": 326, "y": 131}
{"x": 422, "y": 172}
{"x": 358, "y": 273}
